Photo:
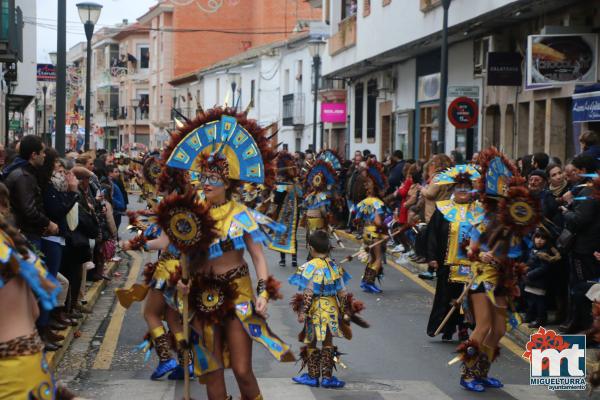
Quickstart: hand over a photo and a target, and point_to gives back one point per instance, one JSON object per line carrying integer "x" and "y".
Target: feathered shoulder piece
{"x": 286, "y": 165}
{"x": 320, "y": 175}
{"x": 376, "y": 173}
{"x": 151, "y": 170}
{"x": 221, "y": 140}
{"x": 332, "y": 157}
{"x": 187, "y": 222}
{"x": 456, "y": 175}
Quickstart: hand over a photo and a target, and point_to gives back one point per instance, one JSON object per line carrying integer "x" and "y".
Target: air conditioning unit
{"x": 481, "y": 47}
{"x": 388, "y": 83}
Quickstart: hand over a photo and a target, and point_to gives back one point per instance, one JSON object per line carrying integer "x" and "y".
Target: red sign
{"x": 333, "y": 112}
{"x": 463, "y": 113}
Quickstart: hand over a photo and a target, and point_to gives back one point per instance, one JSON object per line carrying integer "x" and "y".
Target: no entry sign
{"x": 463, "y": 113}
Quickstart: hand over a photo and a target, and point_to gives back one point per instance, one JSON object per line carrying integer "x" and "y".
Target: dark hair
{"x": 366, "y": 153}
{"x": 111, "y": 167}
{"x": 398, "y": 154}
{"x": 4, "y": 196}
{"x": 319, "y": 240}
{"x": 107, "y": 192}
{"x": 45, "y": 173}
{"x": 555, "y": 161}
{"x": 589, "y": 138}
{"x": 527, "y": 165}
{"x": 542, "y": 233}
{"x": 30, "y": 144}
{"x": 584, "y": 162}
{"x": 551, "y": 166}
{"x": 541, "y": 159}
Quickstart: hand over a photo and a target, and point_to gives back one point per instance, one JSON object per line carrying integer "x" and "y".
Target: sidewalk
{"x": 91, "y": 296}
{"x": 519, "y": 336}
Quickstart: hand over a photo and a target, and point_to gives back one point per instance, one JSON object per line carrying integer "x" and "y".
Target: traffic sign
{"x": 463, "y": 113}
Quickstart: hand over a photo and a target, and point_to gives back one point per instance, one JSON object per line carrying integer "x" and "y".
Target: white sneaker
{"x": 398, "y": 249}
{"x": 88, "y": 265}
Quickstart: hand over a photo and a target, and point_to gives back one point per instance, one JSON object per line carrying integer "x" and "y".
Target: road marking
{"x": 111, "y": 337}
{"x": 506, "y": 342}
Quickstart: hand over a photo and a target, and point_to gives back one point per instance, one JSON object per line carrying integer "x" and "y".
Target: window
{"x": 358, "y": 111}
{"x": 286, "y": 81}
{"x": 218, "y": 91}
{"x": 144, "y": 56}
{"x": 299, "y": 76}
{"x": 428, "y": 5}
{"x": 366, "y": 8}
{"x": 371, "y": 108}
{"x": 252, "y": 90}
{"x": 348, "y": 8}
{"x": 385, "y": 2}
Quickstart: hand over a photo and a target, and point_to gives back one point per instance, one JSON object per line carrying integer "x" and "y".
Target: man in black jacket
{"x": 26, "y": 198}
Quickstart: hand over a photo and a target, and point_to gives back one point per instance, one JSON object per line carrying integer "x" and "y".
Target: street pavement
{"x": 393, "y": 359}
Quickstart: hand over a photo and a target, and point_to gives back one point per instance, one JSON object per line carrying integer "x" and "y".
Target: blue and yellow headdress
{"x": 224, "y": 142}
{"x": 320, "y": 175}
{"x": 332, "y": 157}
{"x": 377, "y": 175}
{"x": 457, "y": 174}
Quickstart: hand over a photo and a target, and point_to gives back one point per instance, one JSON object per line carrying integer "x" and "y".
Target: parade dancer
{"x": 317, "y": 202}
{"x": 450, "y": 224}
{"x": 226, "y": 148}
{"x": 370, "y": 212}
{"x": 285, "y": 207}
{"x": 25, "y": 285}
{"x": 160, "y": 280}
{"x": 325, "y": 309}
{"x": 495, "y": 245}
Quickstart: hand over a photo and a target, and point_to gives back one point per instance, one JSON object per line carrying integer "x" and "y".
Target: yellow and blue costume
{"x": 25, "y": 371}
{"x": 319, "y": 178}
{"x": 367, "y": 211}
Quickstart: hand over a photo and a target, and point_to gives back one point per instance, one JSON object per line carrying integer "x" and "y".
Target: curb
{"x": 92, "y": 296}
{"x": 520, "y": 335}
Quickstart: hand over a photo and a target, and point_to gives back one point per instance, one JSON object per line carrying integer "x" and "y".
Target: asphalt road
{"x": 393, "y": 359}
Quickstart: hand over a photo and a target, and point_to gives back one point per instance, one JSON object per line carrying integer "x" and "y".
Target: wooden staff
{"x": 455, "y": 305}
{"x": 185, "y": 279}
{"x": 377, "y": 243}
{"x": 337, "y": 239}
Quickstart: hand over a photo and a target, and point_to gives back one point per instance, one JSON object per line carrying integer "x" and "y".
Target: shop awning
{"x": 586, "y": 104}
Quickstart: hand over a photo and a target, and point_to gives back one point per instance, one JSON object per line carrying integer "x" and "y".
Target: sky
{"x": 113, "y": 12}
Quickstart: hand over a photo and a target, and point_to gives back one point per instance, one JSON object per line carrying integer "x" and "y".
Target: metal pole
{"x": 134, "y": 124}
{"x": 61, "y": 77}
{"x": 444, "y": 78}
{"x": 89, "y": 31}
{"x": 317, "y": 64}
{"x": 44, "y": 133}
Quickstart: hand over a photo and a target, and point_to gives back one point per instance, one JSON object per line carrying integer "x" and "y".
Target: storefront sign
{"x": 504, "y": 69}
{"x": 463, "y": 113}
{"x": 46, "y": 72}
{"x": 334, "y": 113}
{"x": 586, "y": 107}
{"x": 463, "y": 91}
{"x": 562, "y": 59}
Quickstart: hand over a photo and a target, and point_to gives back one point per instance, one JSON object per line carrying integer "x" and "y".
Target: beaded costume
{"x": 327, "y": 311}
{"x": 25, "y": 371}
{"x": 321, "y": 177}
{"x": 510, "y": 214}
{"x": 220, "y": 142}
{"x": 370, "y": 213}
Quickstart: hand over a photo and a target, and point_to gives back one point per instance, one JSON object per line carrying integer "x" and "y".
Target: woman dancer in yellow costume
{"x": 226, "y": 148}
{"x": 371, "y": 212}
{"x": 492, "y": 279}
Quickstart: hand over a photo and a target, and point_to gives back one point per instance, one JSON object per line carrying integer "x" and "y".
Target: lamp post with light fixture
{"x": 315, "y": 46}
{"x": 443, "y": 79}
{"x": 135, "y": 104}
{"x": 89, "y": 13}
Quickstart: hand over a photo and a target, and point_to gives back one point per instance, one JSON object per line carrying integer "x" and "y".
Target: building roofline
{"x": 184, "y": 78}
{"x": 154, "y": 11}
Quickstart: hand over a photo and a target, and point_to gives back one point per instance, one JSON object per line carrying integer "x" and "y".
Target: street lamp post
{"x": 48, "y": 135}
{"x": 233, "y": 86}
{"x": 314, "y": 47}
{"x": 444, "y": 77}
{"x": 89, "y": 13}
{"x": 135, "y": 104}
{"x": 44, "y": 133}
{"x": 61, "y": 76}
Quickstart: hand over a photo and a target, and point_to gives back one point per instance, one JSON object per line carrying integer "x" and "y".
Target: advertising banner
{"x": 562, "y": 59}
{"x": 504, "y": 69}
{"x": 46, "y": 72}
{"x": 334, "y": 113}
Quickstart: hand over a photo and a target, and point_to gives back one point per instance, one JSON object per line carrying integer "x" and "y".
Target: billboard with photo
{"x": 562, "y": 59}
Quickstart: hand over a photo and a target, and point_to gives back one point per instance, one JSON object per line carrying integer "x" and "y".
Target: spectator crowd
{"x": 69, "y": 209}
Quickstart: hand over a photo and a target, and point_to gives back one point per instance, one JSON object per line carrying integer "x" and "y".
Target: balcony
{"x": 11, "y": 32}
{"x": 345, "y": 36}
{"x": 293, "y": 109}
{"x": 428, "y": 5}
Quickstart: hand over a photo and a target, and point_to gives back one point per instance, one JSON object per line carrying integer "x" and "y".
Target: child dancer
{"x": 325, "y": 309}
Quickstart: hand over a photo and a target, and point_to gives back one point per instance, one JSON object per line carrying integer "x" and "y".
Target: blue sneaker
{"x": 370, "y": 287}
{"x": 472, "y": 386}
{"x": 307, "y": 380}
{"x": 332, "y": 383}
{"x": 178, "y": 373}
{"x": 491, "y": 383}
{"x": 163, "y": 368}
